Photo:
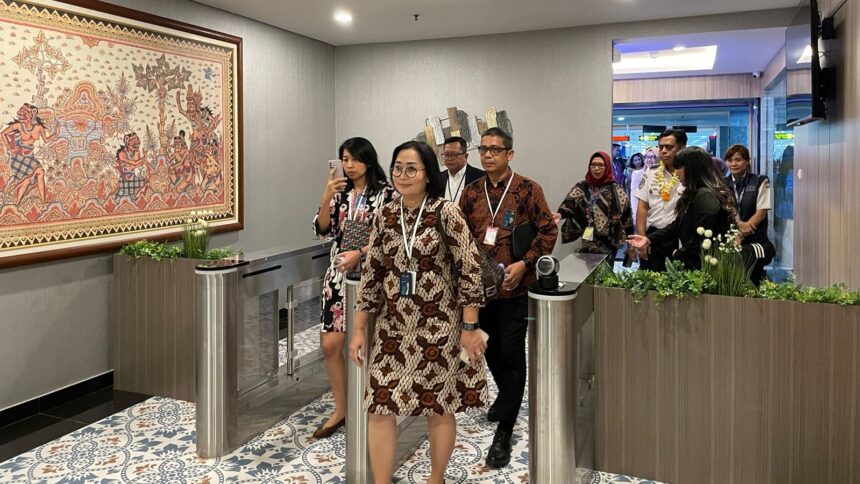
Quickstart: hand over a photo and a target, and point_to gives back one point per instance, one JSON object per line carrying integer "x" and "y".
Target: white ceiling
{"x": 739, "y": 51}
{"x": 392, "y": 20}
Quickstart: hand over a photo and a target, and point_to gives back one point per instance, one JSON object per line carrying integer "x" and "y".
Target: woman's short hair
{"x": 737, "y": 149}
{"x": 435, "y": 185}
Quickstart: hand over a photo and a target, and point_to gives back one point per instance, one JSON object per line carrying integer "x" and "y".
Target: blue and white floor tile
{"x": 306, "y": 341}
{"x": 153, "y": 442}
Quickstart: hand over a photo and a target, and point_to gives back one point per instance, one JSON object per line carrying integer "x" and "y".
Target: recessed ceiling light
{"x": 343, "y": 17}
{"x": 679, "y": 48}
{"x": 692, "y": 59}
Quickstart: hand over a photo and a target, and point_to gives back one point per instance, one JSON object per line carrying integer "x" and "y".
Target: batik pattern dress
{"x": 414, "y": 364}
{"x": 606, "y": 209}
{"x": 342, "y": 204}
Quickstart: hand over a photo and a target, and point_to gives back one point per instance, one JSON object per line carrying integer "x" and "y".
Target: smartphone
{"x": 337, "y": 166}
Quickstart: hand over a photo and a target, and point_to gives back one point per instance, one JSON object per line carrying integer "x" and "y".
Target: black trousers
{"x": 505, "y": 321}
{"x": 657, "y": 255}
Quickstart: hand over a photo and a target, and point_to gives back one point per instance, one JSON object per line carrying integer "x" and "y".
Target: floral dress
{"x": 342, "y": 204}
{"x": 414, "y": 365}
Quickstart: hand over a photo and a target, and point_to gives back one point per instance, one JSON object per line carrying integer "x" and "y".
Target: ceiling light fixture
{"x": 343, "y": 17}
{"x": 621, "y": 118}
{"x": 692, "y": 59}
{"x": 679, "y": 48}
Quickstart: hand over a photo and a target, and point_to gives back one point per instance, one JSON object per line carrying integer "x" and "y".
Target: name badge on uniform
{"x": 490, "y": 237}
{"x": 588, "y": 234}
{"x": 407, "y": 283}
{"x": 508, "y": 220}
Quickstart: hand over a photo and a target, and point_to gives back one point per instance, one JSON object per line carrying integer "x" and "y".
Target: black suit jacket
{"x": 472, "y": 174}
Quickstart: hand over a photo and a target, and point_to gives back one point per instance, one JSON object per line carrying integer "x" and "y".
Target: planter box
{"x": 727, "y": 390}
{"x": 153, "y": 326}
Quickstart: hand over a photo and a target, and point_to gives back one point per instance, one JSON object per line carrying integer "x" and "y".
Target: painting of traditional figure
{"x": 114, "y": 126}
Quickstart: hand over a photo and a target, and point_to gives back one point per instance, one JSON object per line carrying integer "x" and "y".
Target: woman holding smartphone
{"x": 346, "y": 210}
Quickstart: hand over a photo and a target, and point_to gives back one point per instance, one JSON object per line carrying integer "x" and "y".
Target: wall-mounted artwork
{"x": 459, "y": 123}
{"x": 115, "y": 125}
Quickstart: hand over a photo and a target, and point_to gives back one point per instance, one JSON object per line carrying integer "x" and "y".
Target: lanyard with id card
{"x": 408, "y": 278}
{"x": 507, "y": 222}
{"x": 588, "y": 233}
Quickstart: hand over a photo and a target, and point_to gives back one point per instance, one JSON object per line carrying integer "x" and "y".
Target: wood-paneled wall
{"x": 692, "y": 88}
{"x": 827, "y": 170}
{"x": 773, "y": 69}
{"x": 727, "y": 390}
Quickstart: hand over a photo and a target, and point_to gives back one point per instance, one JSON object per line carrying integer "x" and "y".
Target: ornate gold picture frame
{"x": 116, "y": 125}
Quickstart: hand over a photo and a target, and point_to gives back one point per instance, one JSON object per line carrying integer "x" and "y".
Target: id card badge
{"x": 490, "y": 237}
{"x": 407, "y": 283}
{"x": 508, "y": 220}
{"x": 588, "y": 234}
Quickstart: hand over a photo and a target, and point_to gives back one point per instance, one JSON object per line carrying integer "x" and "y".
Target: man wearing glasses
{"x": 494, "y": 205}
{"x": 460, "y": 173}
{"x": 658, "y": 193}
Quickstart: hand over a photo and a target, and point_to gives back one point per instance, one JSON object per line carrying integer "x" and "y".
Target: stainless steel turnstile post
{"x": 552, "y": 385}
{"x": 560, "y": 429}
{"x": 216, "y": 297}
{"x": 239, "y": 383}
{"x": 357, "y": 457}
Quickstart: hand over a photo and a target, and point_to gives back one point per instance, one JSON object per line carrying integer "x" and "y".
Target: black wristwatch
{"x": 470, "y": 326}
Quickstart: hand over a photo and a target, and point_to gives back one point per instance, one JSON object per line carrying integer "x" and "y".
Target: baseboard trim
{"x": 36, "y": 405}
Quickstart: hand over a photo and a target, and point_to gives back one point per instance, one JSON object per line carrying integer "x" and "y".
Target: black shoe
{"x": 499, "y": 454}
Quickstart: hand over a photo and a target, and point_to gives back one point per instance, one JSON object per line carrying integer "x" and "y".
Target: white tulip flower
{"x": 714, "y": 261}
{"x": 706, "y": 244}
{"x": 709, "y": 233}
{"x": 700, "y": 231}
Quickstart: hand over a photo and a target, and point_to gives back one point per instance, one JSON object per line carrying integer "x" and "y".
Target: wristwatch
{"x": 470, "y": 325}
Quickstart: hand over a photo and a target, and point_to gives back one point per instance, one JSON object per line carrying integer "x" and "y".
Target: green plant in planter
{"x": 153, "y": 250}
{"x": 675, "y": 282}
{"x": 196, "y": 235}
{"x": 789, "y": 291}
{"x": 722, "y": 260}
{"x": 195, "y": 243}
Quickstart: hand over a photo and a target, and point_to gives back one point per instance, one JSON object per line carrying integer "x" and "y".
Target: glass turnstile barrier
{"x": 250, "y": 353}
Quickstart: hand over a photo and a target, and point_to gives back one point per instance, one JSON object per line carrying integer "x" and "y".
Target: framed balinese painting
{"x": 116, "y": 125}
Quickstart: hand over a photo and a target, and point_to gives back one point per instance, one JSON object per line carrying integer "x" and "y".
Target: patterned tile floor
{"x": 153, "y": 442}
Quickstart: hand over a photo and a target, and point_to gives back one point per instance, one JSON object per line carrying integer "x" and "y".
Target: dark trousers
{"x": 657, "y": 255}
{"x": 505, "y": 321}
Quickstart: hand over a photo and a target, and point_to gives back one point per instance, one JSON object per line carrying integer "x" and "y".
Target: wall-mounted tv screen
{"x": 804, "y": 98}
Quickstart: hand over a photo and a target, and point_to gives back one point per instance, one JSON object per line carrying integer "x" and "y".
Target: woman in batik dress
{"x": 425, "y": 292}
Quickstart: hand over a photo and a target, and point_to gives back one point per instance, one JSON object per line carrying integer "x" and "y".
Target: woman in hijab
{"x": 597, "y": 210}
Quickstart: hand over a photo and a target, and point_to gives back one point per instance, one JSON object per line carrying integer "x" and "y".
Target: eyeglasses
{"x": 597, "y": 165}
{"x": 410, "y": 171}
{"x": 495, "y": 150}
{"x": 451, "y": 156}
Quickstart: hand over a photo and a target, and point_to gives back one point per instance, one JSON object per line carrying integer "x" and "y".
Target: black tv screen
{"x": 804, "y": 100}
